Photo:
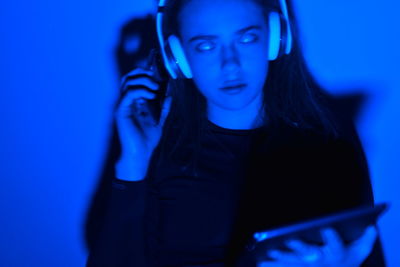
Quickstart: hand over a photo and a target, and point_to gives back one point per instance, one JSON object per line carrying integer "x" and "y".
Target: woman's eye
{"x": 205, "y": 46}
{"x": 248, "y": 38}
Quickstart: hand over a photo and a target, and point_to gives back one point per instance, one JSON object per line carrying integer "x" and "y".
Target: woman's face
{"x": 226, "y": 43}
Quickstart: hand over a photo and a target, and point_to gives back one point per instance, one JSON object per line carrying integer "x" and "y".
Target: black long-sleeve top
{"x": 244, "y": 181}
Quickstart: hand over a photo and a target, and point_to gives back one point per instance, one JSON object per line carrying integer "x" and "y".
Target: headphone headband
{"x": 289, "y": 38}
{"x": 159, "y": 21}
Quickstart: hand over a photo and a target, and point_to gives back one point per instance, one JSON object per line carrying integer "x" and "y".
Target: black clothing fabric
{"x": 243, "y": 181}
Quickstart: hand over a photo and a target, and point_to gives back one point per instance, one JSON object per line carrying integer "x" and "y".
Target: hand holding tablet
{"x": 344, "y": 239}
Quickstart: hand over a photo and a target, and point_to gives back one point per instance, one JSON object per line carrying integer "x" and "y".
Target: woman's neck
{"x": 249, "y": 117}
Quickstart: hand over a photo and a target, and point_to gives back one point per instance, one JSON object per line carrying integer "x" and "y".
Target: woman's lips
{"x": 233, "y": 89}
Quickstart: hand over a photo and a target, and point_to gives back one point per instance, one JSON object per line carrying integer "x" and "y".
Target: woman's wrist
{"x": 128, "y": 169}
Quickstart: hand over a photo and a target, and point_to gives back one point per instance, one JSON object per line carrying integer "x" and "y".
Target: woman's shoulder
{"x": 291, "y": 135}
{"x": 292, "y": 145}
{"x": 292, "y": 153}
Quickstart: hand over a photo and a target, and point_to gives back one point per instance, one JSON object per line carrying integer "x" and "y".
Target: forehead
{"x": 219, "y": 16}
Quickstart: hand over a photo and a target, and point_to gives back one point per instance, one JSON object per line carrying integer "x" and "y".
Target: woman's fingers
{"x": 304, "y": 251}
{"x": 333, "y": 253}
{"x": 135, "y": 72}
{"x": 125, "y": 106}
{"x": 288, "y": 257}
{"x": 143, "y": 114}
{"x": 368, "y": 237}
{"x": 142, "y": 81}
{"x": 333, "y": 247}
{"x": 362, "y": 247}
{"x": 298, "y": 246}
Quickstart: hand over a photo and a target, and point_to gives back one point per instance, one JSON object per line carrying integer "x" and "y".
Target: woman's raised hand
{"x": 139, "y": 132}
{"x": 332, "y": 254}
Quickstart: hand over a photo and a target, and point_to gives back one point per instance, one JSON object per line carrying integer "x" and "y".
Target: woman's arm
{"x": 121, "y": 240}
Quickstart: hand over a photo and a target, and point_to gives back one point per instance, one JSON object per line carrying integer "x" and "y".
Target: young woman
{"x": 245, "y": 142}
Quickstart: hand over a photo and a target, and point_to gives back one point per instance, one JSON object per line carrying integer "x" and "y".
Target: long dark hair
{"x": 291, "y": 95}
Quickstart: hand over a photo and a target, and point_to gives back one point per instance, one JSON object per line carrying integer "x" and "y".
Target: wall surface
{"x": 59, "y": 83}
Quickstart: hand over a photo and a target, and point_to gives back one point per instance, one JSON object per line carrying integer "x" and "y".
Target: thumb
{"x": 165, "y": 110}
{"x": 363, "y": 246}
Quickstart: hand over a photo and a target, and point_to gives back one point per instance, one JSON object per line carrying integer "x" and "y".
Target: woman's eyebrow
{"x": 211, "y": 37}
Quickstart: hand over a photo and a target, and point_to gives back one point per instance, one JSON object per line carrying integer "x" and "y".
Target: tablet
{"x": 350, "y": 224}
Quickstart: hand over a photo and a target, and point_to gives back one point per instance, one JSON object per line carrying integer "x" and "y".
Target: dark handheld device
{"x": 154, "y": 63}
{"x": 349, "y": 224}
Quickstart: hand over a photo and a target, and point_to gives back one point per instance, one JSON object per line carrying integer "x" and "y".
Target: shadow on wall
{"x": 137, "y": 38}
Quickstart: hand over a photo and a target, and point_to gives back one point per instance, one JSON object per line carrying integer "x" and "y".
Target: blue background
{"x": 59, "y": 82}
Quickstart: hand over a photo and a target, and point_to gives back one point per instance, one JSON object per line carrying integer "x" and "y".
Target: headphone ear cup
{"x": 179, "y": 55}
{"x": 274, "y": 35}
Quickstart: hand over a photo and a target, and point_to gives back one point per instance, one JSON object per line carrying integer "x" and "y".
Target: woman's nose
{"x": 230, "y": 60}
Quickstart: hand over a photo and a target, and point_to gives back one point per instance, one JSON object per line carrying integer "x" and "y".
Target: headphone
{"x": 280, "y": 41}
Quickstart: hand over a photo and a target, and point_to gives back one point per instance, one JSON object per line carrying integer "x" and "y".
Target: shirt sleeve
{"x": 121, "y": 239}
